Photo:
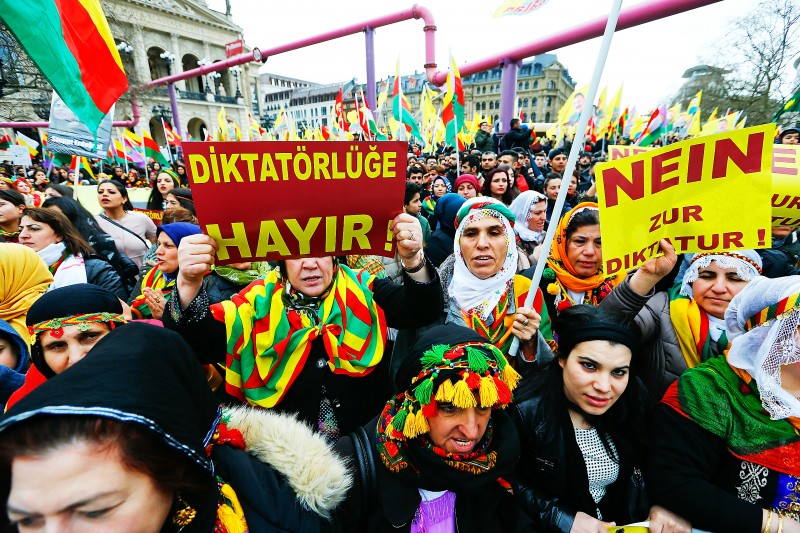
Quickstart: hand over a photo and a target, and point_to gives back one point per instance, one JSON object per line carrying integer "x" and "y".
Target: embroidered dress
{"x": 436, "y": 513}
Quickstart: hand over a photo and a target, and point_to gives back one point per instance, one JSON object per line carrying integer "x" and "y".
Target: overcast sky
{"x": 649, "y": 59}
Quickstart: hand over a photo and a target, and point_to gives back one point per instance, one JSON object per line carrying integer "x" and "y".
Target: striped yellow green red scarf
{"x": 268, "y": 343}
{"x": 155, "y": 280}
{"x": 691, "y": 327}
{"x": 499, "y": 331}
{"x": 725, "y": 402}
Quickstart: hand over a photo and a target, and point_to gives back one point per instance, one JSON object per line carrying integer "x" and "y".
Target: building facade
{"x": 156, "y": 38}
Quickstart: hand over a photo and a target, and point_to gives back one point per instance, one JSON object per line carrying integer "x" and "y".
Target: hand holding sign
{"x": 196, "y": 255}
{"x": 408, "y": 234}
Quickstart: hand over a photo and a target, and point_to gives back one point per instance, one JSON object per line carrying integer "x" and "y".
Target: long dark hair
{"x": 12, "y": 197}
{"x": 626, "y": 417}
{"x": 184, "y": 197}
{"x": 81, "y": 219}
{"x": 62, "y": 227}
{"x": 508, "y": 196}
{"x": 127, "y": 206}
{"x": 156, "y": 201}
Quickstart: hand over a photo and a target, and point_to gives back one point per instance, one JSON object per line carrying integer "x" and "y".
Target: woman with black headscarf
{"x": 437, "y": 457}
{"x": 105, "y": 446}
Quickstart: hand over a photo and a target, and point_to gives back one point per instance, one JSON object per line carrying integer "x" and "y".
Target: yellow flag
{"x": 222, "y": 120}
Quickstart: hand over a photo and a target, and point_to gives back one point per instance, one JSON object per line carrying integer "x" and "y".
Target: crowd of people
{"x": 148, "y": 389}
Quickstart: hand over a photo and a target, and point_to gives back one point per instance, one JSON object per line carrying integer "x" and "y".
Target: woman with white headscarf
{"x": 482, "y": 290}
{"x": 683, "y": 326}
{"x": 530, "y": 210}
{"x": 726, "y": 448}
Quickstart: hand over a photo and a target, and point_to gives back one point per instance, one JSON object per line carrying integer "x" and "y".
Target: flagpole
{"x": 602, "y": 55}
{"x": 164, "y": 128}
{"x": 124, "y": 151}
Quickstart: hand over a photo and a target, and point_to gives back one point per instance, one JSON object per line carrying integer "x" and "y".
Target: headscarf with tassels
{"x": 467, "y": 373}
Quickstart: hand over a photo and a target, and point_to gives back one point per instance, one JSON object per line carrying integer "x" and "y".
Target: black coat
{"x": 388, "y": 505}
{"x": 553, "y": 482}
{"x": 354, "y": 400}
{"x": 100, "y": 273}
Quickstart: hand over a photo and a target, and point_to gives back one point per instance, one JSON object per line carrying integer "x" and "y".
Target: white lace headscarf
{"x": 470, "y": 292}
{"x": 761, "y": 350}
{"x": 521, "y": 207}
{"x": 746, "y": 262}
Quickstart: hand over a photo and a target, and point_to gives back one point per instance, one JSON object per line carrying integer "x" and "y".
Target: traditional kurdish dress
{"x": 158, "y": 281}
{"x": 270, "y": 333}
{"x": 563, "y": 281}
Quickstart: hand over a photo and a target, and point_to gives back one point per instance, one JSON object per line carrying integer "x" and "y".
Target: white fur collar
{"x": 316, "y": 473}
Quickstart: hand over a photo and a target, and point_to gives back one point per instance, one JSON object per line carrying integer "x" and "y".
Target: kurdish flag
{"x": 653, "y": 129}
{"x": 151, "y": 149}
{"x": 71, "y": 43}
{"x": 401, "y": 110}
{"x": 453, "y": 110}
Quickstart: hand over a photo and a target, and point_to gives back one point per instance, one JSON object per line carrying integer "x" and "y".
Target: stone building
{"x": 158, "y": 37}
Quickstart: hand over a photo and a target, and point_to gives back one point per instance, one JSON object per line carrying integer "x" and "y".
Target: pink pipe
{"x": 415, "y": 12}
{"x": 116, "y": 123}
{"x": 627, "y": 19}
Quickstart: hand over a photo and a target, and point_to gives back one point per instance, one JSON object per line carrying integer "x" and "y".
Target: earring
{"x": 183, "y": 516}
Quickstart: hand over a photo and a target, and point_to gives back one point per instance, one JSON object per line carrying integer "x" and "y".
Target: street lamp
{"x": 125, "y": 48}
{"x": 203, "y": 62}
{"x": 213, "y": 76}
{"x": 168, "y": 58}
{"x": 237, "y": 70}
{"x": 162, "y": 112}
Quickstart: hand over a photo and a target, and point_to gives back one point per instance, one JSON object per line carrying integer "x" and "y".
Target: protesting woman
{"x": 483, "y": 291}
{"x": 437, "y": 457}
{"x": 165, "y": 182}
{"x": 574, "y": 273}
{"x": 685, "y": 325}
{"x": 321, "y": 329}
{"x": 23, "y": 279}
{"x": 726, "y": 449}
{"x": 130, "y": 439}
{"x": 32, "y": 198}
{"x": 179, "y": 197}
{"x": 529, "y": 208}
{"x": 581, "y": 422}
{"x": 68, "y": 256}
{"x": 497, "y": 185}
{"x": 467, "y": 186}
{"x": 439, "y": 187}
{"x": 12, "y": 204}
{"x": 130, "y": 230}
{"x": 155, "y": 288}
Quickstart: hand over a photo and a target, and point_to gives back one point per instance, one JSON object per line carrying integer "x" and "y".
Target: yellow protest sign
{"x": 693, "y": 193}
{"x": 786, "y": 185}
{"x": 785, "y": 179}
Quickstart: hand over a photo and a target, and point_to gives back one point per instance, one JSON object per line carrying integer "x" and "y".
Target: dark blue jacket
{"x": 12, "y": 378}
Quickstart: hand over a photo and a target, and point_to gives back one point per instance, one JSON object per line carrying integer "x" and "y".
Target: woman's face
{"x": 156, "y": 166}
{"x": 172, "y": 201}
{"x": 36, "y": 235}
{"x": 466, "y": 190}
{"x": 10, "y": 213}
{"x": 538, "y": 216}
{"x": 310, "y": 276}
{"x": 439, "y": 188}
{"x": 181, "y": 171}
{"x": 595, "y": 375}
{"x": 715, "y": 287}
{"x": 133, "y": 176}
{"x": 166, "y": 254}
{"x": 51, "y": 193}
{"x": 23, "y": 187}
{"x": 164, "y": 183}
{"x": 552, "y": 189}
{"x": 573, "y": 185}
{"x": 40, "y": 177}
{"x": 499, "y": 184}
{"x": 109, "y": 196}
{"x": 484, "y": 246}
{"x": 458, "y": 430}
{"x": 584, "y": 250}
{"x": 85, "y": 487}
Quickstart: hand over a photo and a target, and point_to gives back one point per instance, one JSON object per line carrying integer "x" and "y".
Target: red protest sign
{"x": 234, "y": 48}
{"x": 155, "y": 216}
{"x": 283, "y": 200}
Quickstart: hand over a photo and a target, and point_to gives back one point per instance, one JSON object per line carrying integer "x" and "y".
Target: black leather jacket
{"x": 552, "y": 483}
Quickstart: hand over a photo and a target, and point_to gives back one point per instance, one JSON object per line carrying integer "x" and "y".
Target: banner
{"x": 518, "y": 7}
{"x": 66, "y": 134}
{"x": 155, "y": 216}
{"x": 16, "y": 155}
{"x": 289, "y": 199}
{"x": 786, "y": 185}
{"x": 785, "y": 179}
{"x": 693, "y": 193}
